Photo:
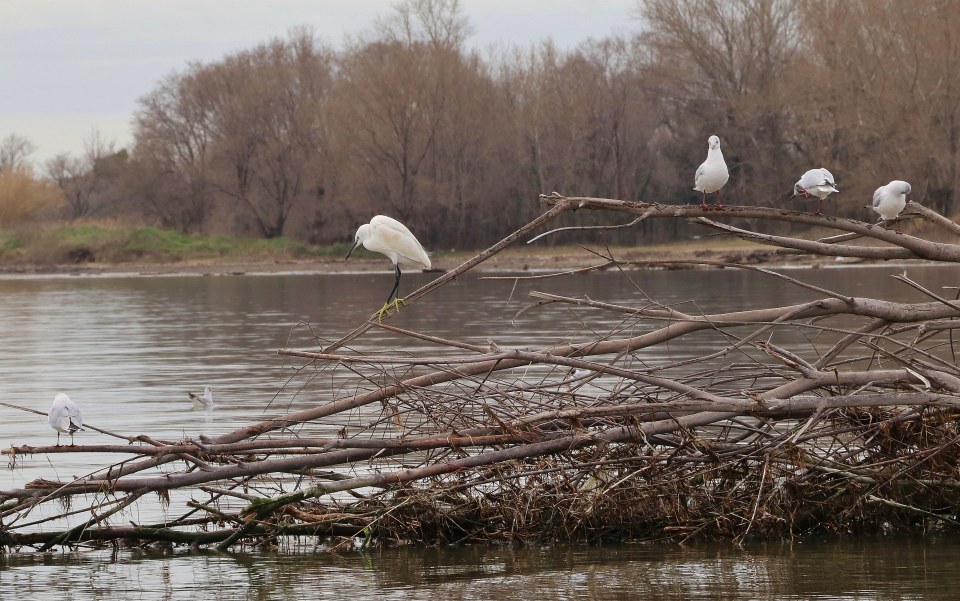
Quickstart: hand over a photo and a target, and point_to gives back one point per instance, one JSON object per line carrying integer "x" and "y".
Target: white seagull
{"x": 712, "y": 174}
{"x": 392, "y": 239}
{"x": 64, "y": 416}
{"x": 816, "y": 182}
{"x": 889, "y": 200}
{"x": 206, "y": 402}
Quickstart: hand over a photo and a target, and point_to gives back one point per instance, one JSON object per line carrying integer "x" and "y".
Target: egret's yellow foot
{"x": 385, "y": 309}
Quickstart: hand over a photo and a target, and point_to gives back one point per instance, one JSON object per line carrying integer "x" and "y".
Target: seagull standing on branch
{"x": 889, "y": 200}
{"x": 64, "y": 416}
{"x": 392, "y": 239}
{"x": 816, "y": 182}
{"x": 712, "y": 174}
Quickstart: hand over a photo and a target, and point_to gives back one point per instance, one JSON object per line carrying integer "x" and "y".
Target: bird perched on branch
{"x": 392, "y": 239}
{"x": 889, "y": 200}
{"x": 816, "y": 182}
{"x": 64, "y": 416}
{"x": 206, "y": 401}
{"x": 712, "y": 174}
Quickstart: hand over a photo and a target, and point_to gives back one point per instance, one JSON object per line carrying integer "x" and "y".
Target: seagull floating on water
{"x": 816, "y": 182}
{"x": 889, "y": 200}
{"x": 392, "y": 239}
{"x": 712, "y": 174}
{"x": 206, "y": 401}
{"x": 64, "y": 416}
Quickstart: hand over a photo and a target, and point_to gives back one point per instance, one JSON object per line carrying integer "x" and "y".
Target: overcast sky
{"x": 70, "y": 66}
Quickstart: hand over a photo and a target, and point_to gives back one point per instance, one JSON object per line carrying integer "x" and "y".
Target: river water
{"x": 127, "y": 349}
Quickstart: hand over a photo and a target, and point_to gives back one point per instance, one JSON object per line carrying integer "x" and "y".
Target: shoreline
{"x": 508, "y": 261}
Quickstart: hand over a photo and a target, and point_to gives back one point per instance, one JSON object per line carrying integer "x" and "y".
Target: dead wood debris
{"x": 832, "y": 416}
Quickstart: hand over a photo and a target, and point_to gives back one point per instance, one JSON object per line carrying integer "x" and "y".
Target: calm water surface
{"x": 128, "y": 348}
{"x": 835, "y": 570}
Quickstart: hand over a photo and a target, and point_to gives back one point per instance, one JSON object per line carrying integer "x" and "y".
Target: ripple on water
{"x": 128, "y": 349}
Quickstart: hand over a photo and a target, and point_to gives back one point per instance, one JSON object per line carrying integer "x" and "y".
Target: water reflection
{"x": 812, "y": 569}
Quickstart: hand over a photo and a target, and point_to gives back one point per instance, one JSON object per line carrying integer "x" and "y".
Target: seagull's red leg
{"x": 703, "y": 203}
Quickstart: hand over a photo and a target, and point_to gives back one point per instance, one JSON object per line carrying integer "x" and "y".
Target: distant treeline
{"x": 294, "y": 138}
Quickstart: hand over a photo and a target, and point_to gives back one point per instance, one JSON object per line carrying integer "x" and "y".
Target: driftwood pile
{"x": 585, "y": 441}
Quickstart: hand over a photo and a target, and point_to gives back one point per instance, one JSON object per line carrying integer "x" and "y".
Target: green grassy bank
{"x": 93, "y": 244}
{"x": 99, "y": 242}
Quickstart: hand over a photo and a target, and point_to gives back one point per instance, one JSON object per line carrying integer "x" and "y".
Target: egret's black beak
{"x": 352, "y": 248}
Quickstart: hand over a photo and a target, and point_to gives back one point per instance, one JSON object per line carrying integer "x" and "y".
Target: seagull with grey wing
{"x": 889, "y": 200}
{"x": 712, "y": 174}
{"x": 64, "y": 416}
{"x": 206, "y": 402}
{"x": 816, "y": 182}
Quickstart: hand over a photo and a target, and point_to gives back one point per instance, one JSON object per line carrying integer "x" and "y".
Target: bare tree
{"x": 720, "y": 67}
{"x": 895, "y": 112}
{"x": 579, "y": 120}
{"x": 465, "y": 179}
{"x": 173, "y": 132}
{"x": 439, "y": 23}
{"x": 14, "y": 151}
{"x": 250, "y": 128}
{"x": 271, "y": 129}
{"x": 387, "y": 97}
{"x": 396, "y": 94}
{"x": 84, "y": 180}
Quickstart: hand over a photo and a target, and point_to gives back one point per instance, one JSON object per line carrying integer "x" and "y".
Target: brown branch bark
{"x": 553, "y": 212}
{"x": 914, "y": 247}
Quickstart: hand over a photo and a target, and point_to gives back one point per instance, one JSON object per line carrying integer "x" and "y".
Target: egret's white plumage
{"x": 206, "y": 401}
{"x": 889, "y": 200}
{"x": 816, "y": 182}
{"x": 392, "y": 239}
{"x": 712, "y": 174}
{"x": 64, "y": 416}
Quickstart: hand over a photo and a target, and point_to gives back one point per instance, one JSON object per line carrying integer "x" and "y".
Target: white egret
{"x": 889, "y": 200}
{"x": 64, "y": 416}
{"x": 392, "y": 239}
{"x": 816, "y": 182}
{"x": 206, "y": 401}
{"x": 712, "y": 174}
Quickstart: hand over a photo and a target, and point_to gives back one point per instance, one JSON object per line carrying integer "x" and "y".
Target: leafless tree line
{"x": 295, "y": 138}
